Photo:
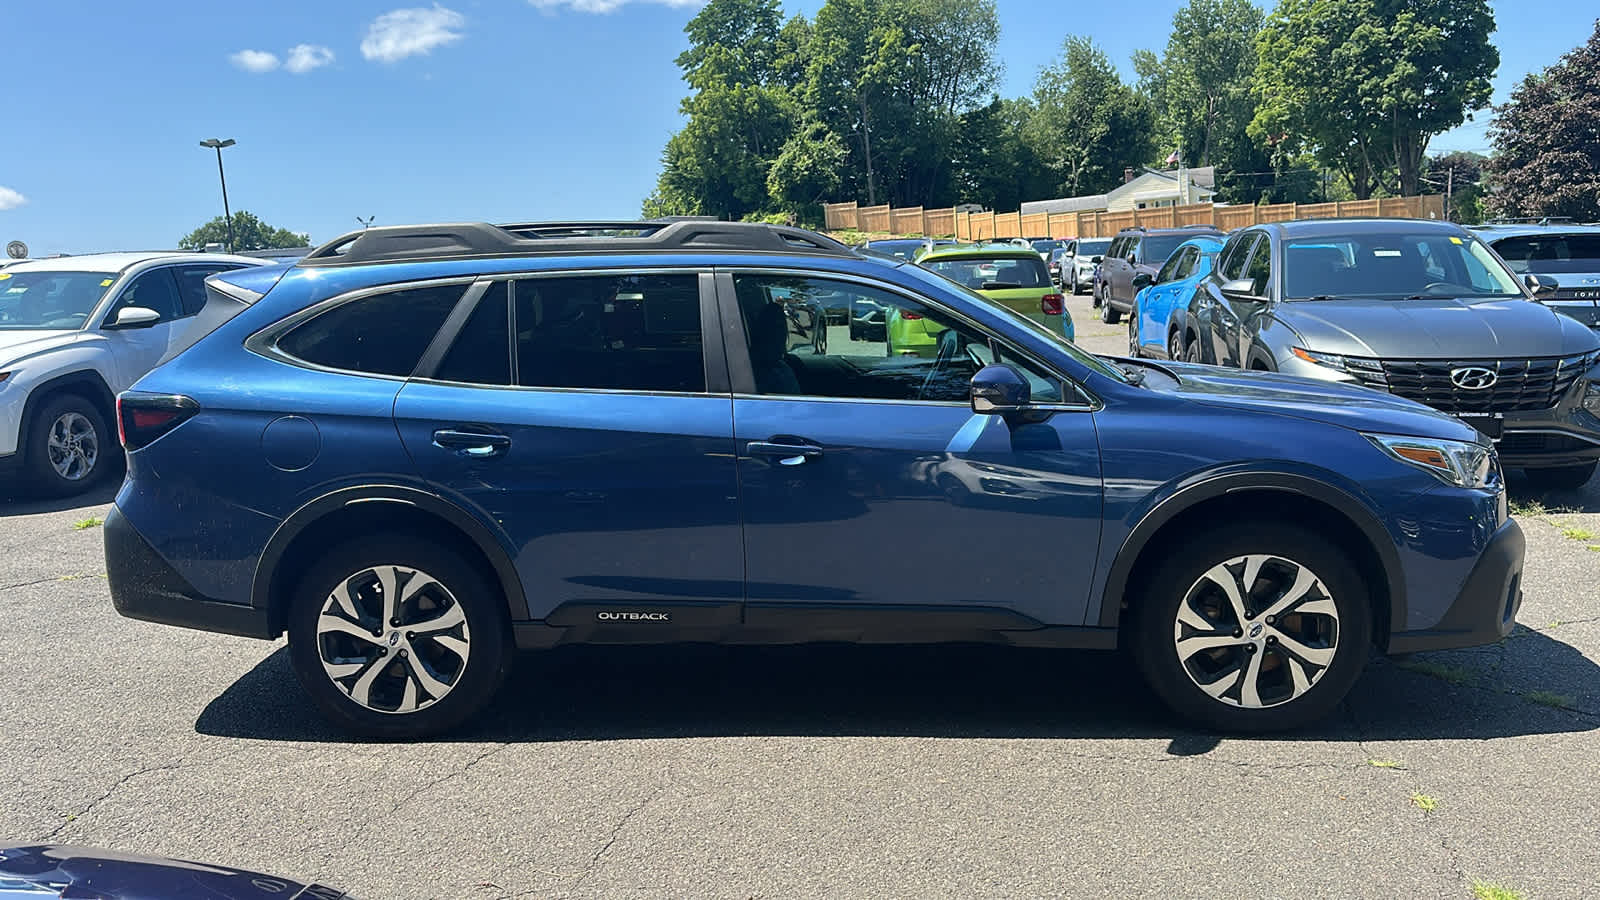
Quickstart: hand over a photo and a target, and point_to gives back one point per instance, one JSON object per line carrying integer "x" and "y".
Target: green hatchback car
{"x": 1010, "y": 275}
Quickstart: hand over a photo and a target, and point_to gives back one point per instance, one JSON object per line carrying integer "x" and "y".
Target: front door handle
{"x": 476, "y": 444}
{"x": 787, "y": 454}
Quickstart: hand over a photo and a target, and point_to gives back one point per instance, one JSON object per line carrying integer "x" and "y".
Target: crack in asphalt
{"x": 11, "y": 587}
{"x": 594, "y": 862}
{"x": 74, "y": 818}
{"x": 399, "y": 804}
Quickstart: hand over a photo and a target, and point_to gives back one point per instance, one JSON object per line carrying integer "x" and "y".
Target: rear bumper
{"x": 144, "y": 586}
{"x": 1486, "y": 608}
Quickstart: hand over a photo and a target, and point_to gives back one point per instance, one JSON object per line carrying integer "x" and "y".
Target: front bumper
{"x": 144, "y": 586}
{"x": 1486, "y": 608}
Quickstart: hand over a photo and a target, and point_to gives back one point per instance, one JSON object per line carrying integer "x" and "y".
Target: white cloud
{"x": 605, "y": 6}
{"x": 255, "y": 60}
{"x": 10, "y": 199}
{"x": 305, "y": 57}
{"x": 396, "y": 35}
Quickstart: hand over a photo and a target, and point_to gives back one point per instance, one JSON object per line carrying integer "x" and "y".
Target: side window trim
{"x": 428, "y": 364}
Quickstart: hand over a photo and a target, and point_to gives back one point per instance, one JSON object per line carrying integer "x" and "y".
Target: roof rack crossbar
{"x": 466, "y": 240}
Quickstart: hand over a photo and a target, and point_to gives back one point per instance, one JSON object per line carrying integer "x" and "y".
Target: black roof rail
{"x": 470, "y": 240}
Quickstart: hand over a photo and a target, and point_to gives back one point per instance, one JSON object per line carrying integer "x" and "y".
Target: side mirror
{"x": 1142, "y": 280}
{"x": 1095, "y": 259}
{"x": 1242, "y": 289}
{"x": 998, "y": 389}
{"x": 1540, "y": 284}
{"x": 135, "y": 317}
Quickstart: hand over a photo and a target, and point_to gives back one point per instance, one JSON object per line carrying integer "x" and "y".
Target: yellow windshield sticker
{"x": 106, "y": 283}
{"x": 1455, "y": 240}
{"x": 4, "y": 275}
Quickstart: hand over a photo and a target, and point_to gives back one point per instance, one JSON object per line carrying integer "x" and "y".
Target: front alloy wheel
{"x": 73, "y": 446}
{"x": 1256, "y": 631}
{"x": 1251, "y": 626}
{"x": 1133, "y": 333}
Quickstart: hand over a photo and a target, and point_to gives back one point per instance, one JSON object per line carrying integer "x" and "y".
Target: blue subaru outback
{"x": 420, "y": 448}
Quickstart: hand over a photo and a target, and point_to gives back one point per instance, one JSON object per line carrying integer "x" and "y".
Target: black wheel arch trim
{"x": 315, "y": 510}
{"x": 1217, "y": 486}
{"x": 100, "y": 394}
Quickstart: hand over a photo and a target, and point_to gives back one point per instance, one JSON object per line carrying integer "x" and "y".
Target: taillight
{"x": 141, "y": 418}
{"x": 1052, "y": 304}
{"x": 910, "y": 315}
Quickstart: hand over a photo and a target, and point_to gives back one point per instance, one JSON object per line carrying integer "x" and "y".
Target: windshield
{"x": 1157, "y": 247}
{"x": 1020, "y": 321}
{"x": 1094, "y": 248}
{"x": 979, "y": 273}
{"x": 1394, "y": 266}
{"x": 1551, "y": 254}
{"x": 1045, "y": 246}
{"x": 43, "y": 301}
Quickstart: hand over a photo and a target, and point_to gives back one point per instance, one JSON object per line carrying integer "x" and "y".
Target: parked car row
{"x": 419, "y": 448}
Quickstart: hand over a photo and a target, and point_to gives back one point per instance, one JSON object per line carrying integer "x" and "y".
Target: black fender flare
{"x": 1211, "y": 488}
{"x": 315, "y": 510}
{"x": 81, "y": 381}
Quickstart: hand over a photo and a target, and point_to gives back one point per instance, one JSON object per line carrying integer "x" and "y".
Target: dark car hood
{"x": 44, "y": 870}
{"x": 1435, "y": 328}
{"x": 1330, "y": 402}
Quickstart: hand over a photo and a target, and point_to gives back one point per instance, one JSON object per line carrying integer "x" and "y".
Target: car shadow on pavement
{"x": 20, "y": 504}
{"x": 1584, "y": 500}
{"x": 950, "y": 691}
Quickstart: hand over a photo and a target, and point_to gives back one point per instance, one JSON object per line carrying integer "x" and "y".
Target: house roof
{"x": 1204, "y": 179}
{"x": 1065, "y": 205}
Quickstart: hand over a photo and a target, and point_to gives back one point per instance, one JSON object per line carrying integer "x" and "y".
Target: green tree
{"x": 249, "y": 233}
{"x": 806, "y": 171}
{"x": 992, "y": 163}
{"x": 1547, "y": 143}
{"x": 1201, "y": 87}
{"x": 1461, "y": 174}
{"x": 1365, "y": 84}
{"x": 1087, "y": 125}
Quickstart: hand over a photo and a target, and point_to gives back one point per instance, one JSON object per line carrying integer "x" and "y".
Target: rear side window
{"x": 610, "y": 332}
{"x": 481, "y": 353}
{"x": 384, "y": 334}
{"x": 192, "y": 285}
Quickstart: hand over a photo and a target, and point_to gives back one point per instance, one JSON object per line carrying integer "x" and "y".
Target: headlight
{"x": 1453, "y": 462}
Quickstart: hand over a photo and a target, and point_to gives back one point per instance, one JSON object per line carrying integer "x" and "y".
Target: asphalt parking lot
{"x": 808, "y": 771}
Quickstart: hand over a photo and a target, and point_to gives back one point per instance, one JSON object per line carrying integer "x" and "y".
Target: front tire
{"x": 1134, "y": 350}
{"x": 396, "y": 637}
{"x": 1561, "y": 478}
{"x": 69, "y": 447}
{"x": 1261, "y": 627}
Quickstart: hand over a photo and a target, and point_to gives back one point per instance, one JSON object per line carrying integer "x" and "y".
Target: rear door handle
{"x": 787, "y": 454}
{"x": 476, "y": 444}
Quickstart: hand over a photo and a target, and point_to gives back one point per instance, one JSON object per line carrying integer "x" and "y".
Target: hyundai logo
{"x": 1473, "y": 378}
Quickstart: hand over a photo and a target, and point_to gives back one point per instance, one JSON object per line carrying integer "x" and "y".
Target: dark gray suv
{"x": 1421, "y": 309}
{"x": 1136, "y": 252}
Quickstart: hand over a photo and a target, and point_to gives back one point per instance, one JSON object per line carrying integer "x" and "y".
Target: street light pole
{"x": 227, "y": 216}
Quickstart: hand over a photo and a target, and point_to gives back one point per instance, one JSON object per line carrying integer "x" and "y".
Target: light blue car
{"x": 1155, "y": 324}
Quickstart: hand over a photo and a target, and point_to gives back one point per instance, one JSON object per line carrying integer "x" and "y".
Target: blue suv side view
{"x": 420, "y": 448}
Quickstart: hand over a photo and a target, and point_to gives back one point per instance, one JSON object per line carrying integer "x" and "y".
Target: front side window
{"x": 40, "y": 301}
{"x": 1237, "y": 255}
{"x": 1130, "y": 249}
{"x": 381, "y": 334}
{"x": 1260, "y": 269}
{"x": 610, "y": 332}
{"x": 155, "y": 290}
{"x": 893, "y": 348}
{"x": 1173, "y": 269}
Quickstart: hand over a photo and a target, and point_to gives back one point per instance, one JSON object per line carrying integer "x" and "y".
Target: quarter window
{"x": 383, "y": 334}
{"x": 610, "y": 332}
{"x": 815, "y": 337}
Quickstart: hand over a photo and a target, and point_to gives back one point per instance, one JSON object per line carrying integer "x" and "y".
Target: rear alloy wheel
{"x": 398, "y": 638}
{"x": 1258, "y": 629}
{"x": 68, "y": 448}
{"x": 1108, "y": 313}
{"x": 1561, "y": 478}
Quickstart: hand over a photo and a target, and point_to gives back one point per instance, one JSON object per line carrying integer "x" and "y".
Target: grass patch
{"x": 1483, "y": 890}
{"x": 1456, "y": 675}
{"x": 1549, "y": 698}
{"x": 77, "y": 575}
{"x": 1385, "y": 764}
{"x": 86, "y": 524}
{"x": 1424, "y": 802}
{"x": 1527, "y": 507}
{"x": 1577, "y": 534}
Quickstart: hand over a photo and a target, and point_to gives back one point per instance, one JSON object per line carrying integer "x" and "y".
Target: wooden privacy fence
{"x": 1103, "y": 223}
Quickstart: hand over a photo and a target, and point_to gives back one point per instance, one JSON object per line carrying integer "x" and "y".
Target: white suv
{"x": 75, "y": 331}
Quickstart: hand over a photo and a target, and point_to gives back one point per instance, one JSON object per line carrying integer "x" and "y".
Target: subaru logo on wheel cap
{"x": 1473, "y": 378}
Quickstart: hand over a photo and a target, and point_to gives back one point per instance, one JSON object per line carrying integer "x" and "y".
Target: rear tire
{"x": 69, "y": 447}
{"x": 1299, "y": 645}
{"x": 1191, "y": 352}
{"x": 438, "y": 659}
{"x": 1561, "y": 478}
{"x": 1108, "y": 313}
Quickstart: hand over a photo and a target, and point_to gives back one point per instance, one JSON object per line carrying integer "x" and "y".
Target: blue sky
{"x": 492, "y": 110}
